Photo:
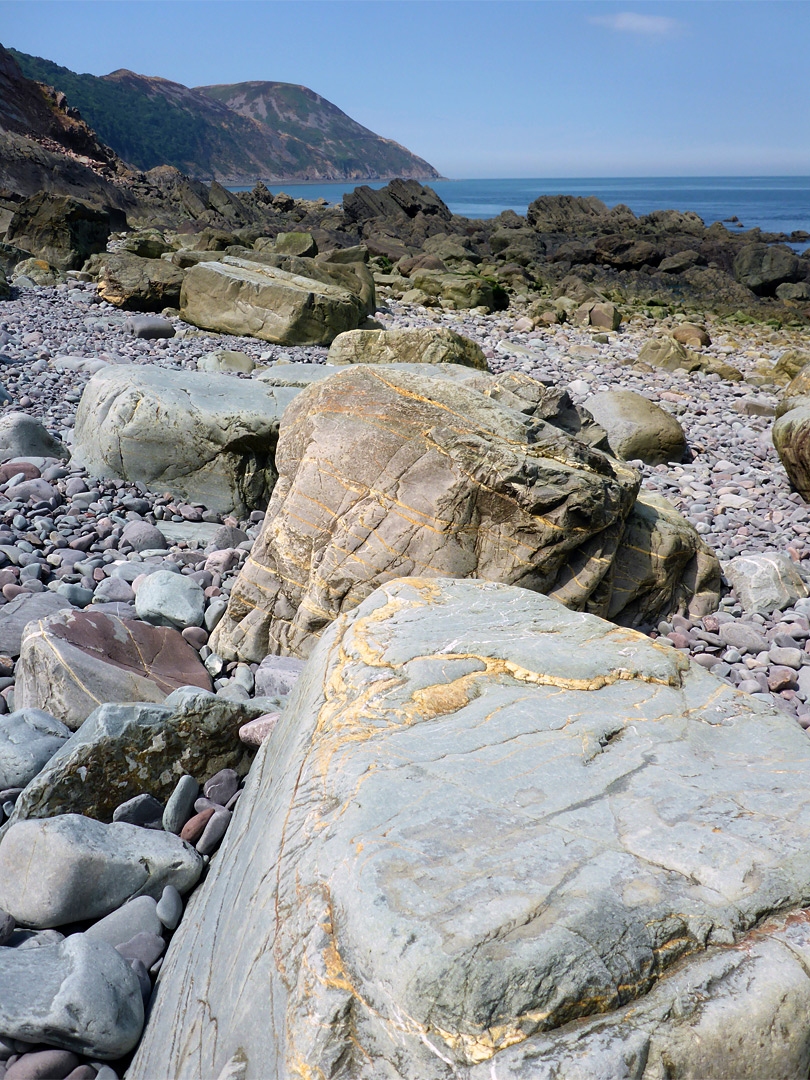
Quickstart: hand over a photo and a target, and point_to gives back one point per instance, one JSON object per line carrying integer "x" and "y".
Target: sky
{"x": 485, "y": 88}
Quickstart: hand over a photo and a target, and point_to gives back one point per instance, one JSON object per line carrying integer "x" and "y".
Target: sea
{"x": 772, "y": 203}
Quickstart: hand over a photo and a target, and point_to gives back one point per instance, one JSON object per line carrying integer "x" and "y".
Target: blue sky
{"x": 489, "y": 88}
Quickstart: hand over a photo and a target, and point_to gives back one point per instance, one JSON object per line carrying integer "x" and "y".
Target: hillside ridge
{"x": 151, "y": 120}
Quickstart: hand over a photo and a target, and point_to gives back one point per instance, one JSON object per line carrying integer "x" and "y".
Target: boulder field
{"x": 395, "y": 683}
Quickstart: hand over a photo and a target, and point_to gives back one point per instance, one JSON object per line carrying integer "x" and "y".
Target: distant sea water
{"x": 773, "y": 203}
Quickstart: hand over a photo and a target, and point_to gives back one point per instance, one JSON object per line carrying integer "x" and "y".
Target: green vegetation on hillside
{"x": 275, "y": 129}
{"x": 145, "y": 130}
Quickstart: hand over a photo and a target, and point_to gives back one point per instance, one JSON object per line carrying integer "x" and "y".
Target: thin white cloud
{"x": 633, "y": 22}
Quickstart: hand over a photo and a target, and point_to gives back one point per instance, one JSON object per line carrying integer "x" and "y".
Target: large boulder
{"x": 206, "y": 438}
{"x": 789, "y": 364}
{"x": 76, "y": 994}
{"x": 662, "y": 565}
{"x": 761, "y": 267}
{"x": 350, "y": 274}
{"x": 791, "y": 437}
{"x": 85, "y": 869}
{"x": 493, "y": 837}
{"x": 123, "y": 750}
{"x": 239, "y": 296}
{"x": 59, "y": 229}
{"x": 636, "y": 427}
{"x": 137, "y": 284}
{"x": 418, "y": 345}
{"x": 28, "y": 740}
{"x": 383, "y": 473}
{"x": 73, "y": 661}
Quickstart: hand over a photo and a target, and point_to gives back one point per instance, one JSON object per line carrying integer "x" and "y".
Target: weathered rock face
{"x": 762, "y": 267}
{"x": 791, "y": 437}
{"x": 662, "y": 565}
{"x": 421, "y": 345}
{"x": 207, "y": 438}
{"x": 482, "y": 817}
{"x": 59, "y": 229}
{"x": 636, "y": 427}
{"x": 238, "y": 296}
{"x": 384, "y": 474}
{"x": 137, "y": 284}
{"x": 74, "y": 661}
{"x": 123, "y": 750}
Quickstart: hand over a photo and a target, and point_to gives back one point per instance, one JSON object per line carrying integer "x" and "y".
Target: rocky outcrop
{"x": 421, "y": 345}
{"x": 383, "y": 474}
{"x": 61, "y": 230}
{"x": 504, "y": 839}
{"x": 237, "y": 296}
{"x": 205, "y": 437}
{"x": 399, "y": 199}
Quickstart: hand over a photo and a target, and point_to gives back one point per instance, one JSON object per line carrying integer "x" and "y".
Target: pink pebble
{"x": 256, "y": 731}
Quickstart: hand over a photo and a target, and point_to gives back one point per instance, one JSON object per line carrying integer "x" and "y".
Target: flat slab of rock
{"x": 14, "y": 617}
{"x": 71, "y": 663}
{"x": 77, "y": 995}
{"x": 238, "y": 296}
{"x": 206, "y": 438}
{"x": 123, "y": 750}
{"x": 487, "y": 817}
{"x": 419, "y": 345}
{"x": 85, "y": 869}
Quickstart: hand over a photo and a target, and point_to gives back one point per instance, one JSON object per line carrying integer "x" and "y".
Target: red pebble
{"x": 11, "y": 590}
{"x": 195, "y": 827}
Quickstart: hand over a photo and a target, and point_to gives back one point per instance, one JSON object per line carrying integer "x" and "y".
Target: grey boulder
{"x": 86, "y": 869}
{"x": 77, "y": 995}
{"x": 206, "y": 438}
{"x": 506, "y": 839}
{"x": 28, "y": 739}
{"x": 166, "y": 599}
{"x": 406, "y": 345}
{"x": 72, "y": 662}
{"x": 16, "y": 616}
{"x": 636, "y": 427}
{"x": 767, "y": 582}
{"x": 23, "y": 436}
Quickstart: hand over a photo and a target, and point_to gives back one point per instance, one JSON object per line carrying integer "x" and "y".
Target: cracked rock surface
{"x": 481, "y": 818}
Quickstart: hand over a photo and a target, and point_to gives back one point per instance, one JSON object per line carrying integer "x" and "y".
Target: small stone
{"x": 180, "y": 804}
{"x": 143, "y": 810}
{"x": 134, "y": 917}
{"x": 170, "y": 907}
{"x": 221, "y": 786}
{"x": 213, "y": 832}
{"x": 166, "y": 599}
{"x": 195, "y": 827}
{"x": 43, "y": 1065}
{"x": 144, "y": 947}
{"x": 256, "y": 731}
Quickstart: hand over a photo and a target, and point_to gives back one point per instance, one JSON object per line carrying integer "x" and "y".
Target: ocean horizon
{"x": 771, "y": 203}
